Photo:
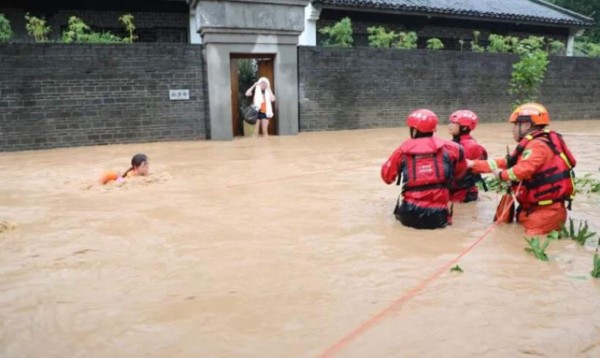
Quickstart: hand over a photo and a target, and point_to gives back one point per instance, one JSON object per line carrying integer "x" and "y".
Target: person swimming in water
{"x": 139, "y": 167}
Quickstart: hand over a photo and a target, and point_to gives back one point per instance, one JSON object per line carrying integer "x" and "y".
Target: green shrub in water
{"x": 587, "y": 184}
{"x": 581, "y": 235}
{"x": 537, "y": 247}
{"x": 596, "y": 270}
{"x": 456, "y": 268}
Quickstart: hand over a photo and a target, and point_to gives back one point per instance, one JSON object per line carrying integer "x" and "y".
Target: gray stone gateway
{"x": 263, "y": 28}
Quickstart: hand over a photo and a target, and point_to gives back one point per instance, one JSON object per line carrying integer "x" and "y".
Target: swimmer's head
{"x": 140, "y": 164}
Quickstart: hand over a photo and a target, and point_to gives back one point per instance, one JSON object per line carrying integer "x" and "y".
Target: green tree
{"x": 340, "y": 34}
{"x": 589, "y": 8}
{"x": 5, "y": 30}
{"x": 588, "y": 49}
{"x": 36, "y": 28}
{"x": 529, "y": 72}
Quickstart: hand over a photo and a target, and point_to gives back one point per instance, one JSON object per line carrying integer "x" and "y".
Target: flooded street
{"x": 277, "y": 247}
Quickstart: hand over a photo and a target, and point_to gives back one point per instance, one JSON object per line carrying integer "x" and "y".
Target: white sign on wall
{"x": 179, "y": 94}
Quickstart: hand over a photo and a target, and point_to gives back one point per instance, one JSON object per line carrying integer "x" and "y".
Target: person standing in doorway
{"x": 263, "y": 98}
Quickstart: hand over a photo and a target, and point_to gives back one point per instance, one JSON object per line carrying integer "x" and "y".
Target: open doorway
{"x": 245, "y": 70}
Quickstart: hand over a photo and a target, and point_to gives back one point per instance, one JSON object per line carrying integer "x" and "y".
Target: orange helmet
{"x": 423, "y": 120}
{"x": 534, "y": 112}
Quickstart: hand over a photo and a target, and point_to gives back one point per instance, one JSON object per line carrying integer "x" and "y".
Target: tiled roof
{"x": 531, "y": 11}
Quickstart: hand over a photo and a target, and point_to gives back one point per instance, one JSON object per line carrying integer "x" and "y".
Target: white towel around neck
{"x": 259, "y": 98}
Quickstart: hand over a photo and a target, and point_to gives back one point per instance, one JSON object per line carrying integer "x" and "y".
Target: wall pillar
{"x": 195, "y": 37}
{"x": 573, "y": 33}
{"x": 309, "y": 35}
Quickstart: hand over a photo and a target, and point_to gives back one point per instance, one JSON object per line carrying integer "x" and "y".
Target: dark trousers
{"x": 420, "y": 217}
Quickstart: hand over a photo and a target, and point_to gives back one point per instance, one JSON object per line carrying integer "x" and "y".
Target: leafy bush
{"x": 556, "y": 47}
{"x": 340, "y": 34}
{"x": 529, "y": 45}
{"x": 502, "y": 44}
{"x": 78, "y": 32}
{"x": 36, "y": 28}
{"x": 5, "y": 30}
{"x": 407, "y": 40}
{"x": 587, "y": 49}
{"x": 435, "y": 44}
{"x": 380, "y": 38}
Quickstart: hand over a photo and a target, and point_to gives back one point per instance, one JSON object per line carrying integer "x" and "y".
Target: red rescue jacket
{"x": 467, "y": 183}
{"x": 427, "y": 166}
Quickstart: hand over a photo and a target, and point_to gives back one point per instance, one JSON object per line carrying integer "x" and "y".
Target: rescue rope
{"x": 373, "y": 321}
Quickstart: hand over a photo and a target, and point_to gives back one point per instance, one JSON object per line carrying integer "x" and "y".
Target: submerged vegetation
{"x": 587, "y": 184}
{"x": 456, "y": 268}
{"x": 596, "y": 270}
{"x": 538, "y": 247}
{"x": 492, "y": 184}
{"x": 579, "y": 235}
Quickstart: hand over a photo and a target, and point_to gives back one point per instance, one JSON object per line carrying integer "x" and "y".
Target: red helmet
{"x": 464, "y": 118}
{"x": 422, "y": 120}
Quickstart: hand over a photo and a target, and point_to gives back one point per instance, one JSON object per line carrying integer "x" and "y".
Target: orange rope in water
{"x": 366, "y": 325}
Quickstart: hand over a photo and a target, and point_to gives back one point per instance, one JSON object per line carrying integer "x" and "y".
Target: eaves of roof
{"x": 440, "y": 8}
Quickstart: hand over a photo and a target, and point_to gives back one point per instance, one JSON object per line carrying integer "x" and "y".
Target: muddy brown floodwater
{"x": 276, "y": 247}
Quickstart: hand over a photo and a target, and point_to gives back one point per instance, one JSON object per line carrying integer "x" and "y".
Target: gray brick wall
{"x": 55, "y": 95}
{"x": 374, "y": 88}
